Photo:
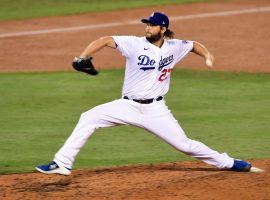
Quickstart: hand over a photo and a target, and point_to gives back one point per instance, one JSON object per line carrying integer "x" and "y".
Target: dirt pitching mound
{"x": 182, "y": 180}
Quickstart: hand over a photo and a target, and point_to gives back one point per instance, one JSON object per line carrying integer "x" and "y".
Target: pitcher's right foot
{"x": 53, "y": 168}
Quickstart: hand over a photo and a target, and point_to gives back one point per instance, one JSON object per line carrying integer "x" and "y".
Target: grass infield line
{"x": 96, "y": 26}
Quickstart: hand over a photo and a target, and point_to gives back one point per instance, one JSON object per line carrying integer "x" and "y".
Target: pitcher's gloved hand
{"x": 84, "y": 65}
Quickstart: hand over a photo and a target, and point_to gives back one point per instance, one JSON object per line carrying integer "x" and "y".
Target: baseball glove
{"x": 84, "y": 65}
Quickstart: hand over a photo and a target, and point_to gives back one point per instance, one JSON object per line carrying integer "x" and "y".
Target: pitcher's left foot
{"x": 243, "y": 166}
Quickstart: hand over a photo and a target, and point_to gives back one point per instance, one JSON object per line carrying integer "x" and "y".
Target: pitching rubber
{"x": 256, "y": 170}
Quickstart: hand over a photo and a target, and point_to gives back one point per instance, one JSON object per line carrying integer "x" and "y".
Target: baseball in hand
{"x": 209, "y": 63}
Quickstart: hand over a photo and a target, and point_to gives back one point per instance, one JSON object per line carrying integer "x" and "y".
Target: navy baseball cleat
{"x": 53, "y": 168}
{"x": 241, "y": 166}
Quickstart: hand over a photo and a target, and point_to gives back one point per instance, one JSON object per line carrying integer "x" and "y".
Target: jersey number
{"x": 163, "y": 76}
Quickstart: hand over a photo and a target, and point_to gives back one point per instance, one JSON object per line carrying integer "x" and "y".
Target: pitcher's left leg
{"x": 168, "y": 129}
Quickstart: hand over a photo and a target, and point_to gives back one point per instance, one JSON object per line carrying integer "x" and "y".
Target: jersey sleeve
{"x": 184, "y": 47}
{"x": 124, "y": 44}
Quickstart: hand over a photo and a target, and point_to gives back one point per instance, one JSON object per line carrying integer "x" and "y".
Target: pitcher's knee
{"x": 90, "y": 117}
{"x": 186, "y": 146}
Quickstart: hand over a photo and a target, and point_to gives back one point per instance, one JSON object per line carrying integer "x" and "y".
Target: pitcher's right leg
{"x": 113, "y": 113}
{"x": 88, "y": 123}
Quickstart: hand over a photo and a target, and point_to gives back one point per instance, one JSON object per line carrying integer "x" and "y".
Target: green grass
{"x": 22, "y": 9}
{"x": 227, "y": 111}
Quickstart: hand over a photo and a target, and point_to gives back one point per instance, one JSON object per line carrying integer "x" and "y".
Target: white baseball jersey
{"x": 148, "y": 67}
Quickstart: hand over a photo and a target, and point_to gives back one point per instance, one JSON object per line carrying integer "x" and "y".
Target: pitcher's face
{"x": 153, "y": 33}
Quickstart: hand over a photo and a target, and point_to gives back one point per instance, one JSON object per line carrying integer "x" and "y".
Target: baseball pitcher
{"x": 149, "y": 63}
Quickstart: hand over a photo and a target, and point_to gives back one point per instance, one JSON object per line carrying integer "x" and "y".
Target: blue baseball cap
{"x": 158, "y": 19}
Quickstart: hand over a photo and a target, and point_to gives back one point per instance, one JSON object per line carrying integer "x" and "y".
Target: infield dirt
{"x": 170, "y": 181}
{"x": 239, "y": 43}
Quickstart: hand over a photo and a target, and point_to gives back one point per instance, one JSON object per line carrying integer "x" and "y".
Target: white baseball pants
{"x": 154, "y": 117}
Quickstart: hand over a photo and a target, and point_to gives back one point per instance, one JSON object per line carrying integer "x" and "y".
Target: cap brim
{"x": 145, "y": 21}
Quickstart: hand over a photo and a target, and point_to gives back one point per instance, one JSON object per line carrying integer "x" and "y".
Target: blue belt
{"x": 145, "y": 101}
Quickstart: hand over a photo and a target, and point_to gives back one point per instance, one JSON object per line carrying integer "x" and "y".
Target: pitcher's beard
{"x": 154, "y": 38}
